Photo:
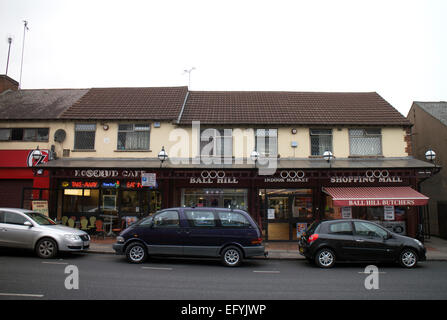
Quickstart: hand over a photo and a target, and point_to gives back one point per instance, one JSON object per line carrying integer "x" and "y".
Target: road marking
{"x": 156, "y": 268}
{"x": 48, "y": 262}
{"x": 22, "y": 295}
{"x": 363, "y": 272}
{"x": 260, "y": 271}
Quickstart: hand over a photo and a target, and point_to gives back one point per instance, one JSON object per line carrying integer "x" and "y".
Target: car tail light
{"x": 312, "y": 238}
{"x": 256, "y": 241}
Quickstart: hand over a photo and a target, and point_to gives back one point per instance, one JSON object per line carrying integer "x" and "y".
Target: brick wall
{"x": 7, "y": 83}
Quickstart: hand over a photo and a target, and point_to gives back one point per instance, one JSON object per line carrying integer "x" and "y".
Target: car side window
{"x": 2, "y": 217}
{"x": 369, "y": 230}
{"x": 14, "y": 218}
{"x": 167, "y": 219}
{"x": 341, "y": 228}
{"x": 198, "y": 218}
{"x": 233, "y": 219}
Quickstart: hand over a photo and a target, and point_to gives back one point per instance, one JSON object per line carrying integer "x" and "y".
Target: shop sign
{"x": 213, "y": 176}
{"x": 80, "y": 184}
{"x": 149, "y": 179}
{"x": 377, "y": 203}
{"x": 105, "y": 173}
{"x": 370, "y": 176}
{"x": 288, "y": 176}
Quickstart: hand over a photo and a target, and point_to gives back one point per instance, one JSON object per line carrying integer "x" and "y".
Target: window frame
{"x": 263, "y": 153}
{"x": 133, "y": 130}
{"x": 247, "y": 225}
{"x": 365, "y": 134}
{"x": 76, "y": 130}
{"x": 154, "y": 225}
{"x": 321, "y": 134}
{"x": 22, "y": 134}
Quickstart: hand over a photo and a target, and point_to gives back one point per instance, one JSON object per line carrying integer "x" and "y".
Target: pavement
{"x": 436, "y": 248}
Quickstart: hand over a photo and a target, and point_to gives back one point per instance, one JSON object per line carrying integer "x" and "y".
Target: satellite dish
{"x": 59, "y": 135}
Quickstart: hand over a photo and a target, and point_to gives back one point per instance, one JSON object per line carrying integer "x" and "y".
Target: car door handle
{"x": 359, "y": 240}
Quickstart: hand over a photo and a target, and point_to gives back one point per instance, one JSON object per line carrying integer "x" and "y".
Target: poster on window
{"x": 40, "y": 206}
{"x": 346, "y": 212}
{"x": 300, "y": 228}
{"x": 271, "y": 213}
{"x": 388, "y": 213}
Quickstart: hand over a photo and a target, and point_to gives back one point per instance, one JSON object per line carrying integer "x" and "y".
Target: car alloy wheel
{"x": 46, "y": 248}
{"x": 408, "y": 258}
{"x": 325, "y": 258}
{"x": 136, "y": 253}
{"x": 231, "y": 256}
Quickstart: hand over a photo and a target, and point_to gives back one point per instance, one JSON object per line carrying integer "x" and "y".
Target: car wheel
{"x": 46, "y": 248}
{"x": 408, "y": 258}
{"x": 232, "y": 256}
{"x": 325, "y": 258}
{"x": 136, "y": 253}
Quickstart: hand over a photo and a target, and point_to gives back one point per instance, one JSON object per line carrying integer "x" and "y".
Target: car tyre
{"x": 46, "y": 248}
{"x": 136, "y": 253}
{"x": 408, "y": 258}
{"x": 231, "y": 256}
{"x": 325, "y": 258}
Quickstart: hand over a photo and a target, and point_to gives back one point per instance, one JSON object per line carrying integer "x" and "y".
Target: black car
{"x": 326, "y": 242}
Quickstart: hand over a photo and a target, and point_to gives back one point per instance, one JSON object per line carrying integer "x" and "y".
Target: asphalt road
{"x": 104, "y": 276}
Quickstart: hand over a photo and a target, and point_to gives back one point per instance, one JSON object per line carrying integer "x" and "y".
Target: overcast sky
{"x": 396, "y": 48}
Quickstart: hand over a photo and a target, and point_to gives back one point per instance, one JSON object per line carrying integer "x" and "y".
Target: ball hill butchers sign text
{"x": 370, "y": 176}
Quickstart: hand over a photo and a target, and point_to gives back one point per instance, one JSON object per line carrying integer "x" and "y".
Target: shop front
{"x": 105, "y": 200}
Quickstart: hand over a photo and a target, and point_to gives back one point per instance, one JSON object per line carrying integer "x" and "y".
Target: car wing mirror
{"x": 28, "y": 224}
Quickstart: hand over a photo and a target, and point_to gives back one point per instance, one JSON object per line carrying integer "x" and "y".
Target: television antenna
{"x": 9, "y": 50}
{"x": 188, "y": 71}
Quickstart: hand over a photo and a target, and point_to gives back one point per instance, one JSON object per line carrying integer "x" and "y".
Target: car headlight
{"x": 72, "y": 237}
{"x": 120, "y": 239}
{"x": 419, "y": 243}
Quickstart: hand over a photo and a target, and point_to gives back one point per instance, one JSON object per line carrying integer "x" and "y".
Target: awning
{"x": 376, "y": 196}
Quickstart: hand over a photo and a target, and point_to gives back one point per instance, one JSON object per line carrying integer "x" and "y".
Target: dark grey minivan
{"x": 230, "y": 234}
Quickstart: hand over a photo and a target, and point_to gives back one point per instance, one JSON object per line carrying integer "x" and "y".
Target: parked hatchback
{"x": 326, "y": 242}
{"x": 21, "y": 228}
{"x": 229, "y": 234}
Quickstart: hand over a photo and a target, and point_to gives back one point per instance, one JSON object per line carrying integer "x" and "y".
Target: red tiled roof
{"x": 155, "y": 103}
{"x": 266, "y": 107}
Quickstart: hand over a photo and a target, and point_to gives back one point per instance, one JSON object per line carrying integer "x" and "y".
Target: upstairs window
{"x": 24, "y": 134}
{"x": 266, "y": 142}
{"x": 365, "y": 142}
{"x": 320, "y": 141}
{"x": 133, "y": 136}
{"x": 216, "y": 143}
{"x": 85, "y": 136}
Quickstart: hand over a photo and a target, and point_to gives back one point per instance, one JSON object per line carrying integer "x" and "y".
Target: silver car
{"x": 21, "y": 228}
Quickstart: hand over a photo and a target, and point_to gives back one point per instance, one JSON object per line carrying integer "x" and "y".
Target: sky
{"x": 395, "y": 48}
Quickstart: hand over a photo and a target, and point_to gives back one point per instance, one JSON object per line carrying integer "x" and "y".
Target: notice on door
{"x": 271, "y": 213}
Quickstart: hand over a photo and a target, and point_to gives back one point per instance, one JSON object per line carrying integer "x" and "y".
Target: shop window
{"x": 130, "y": 202}
{"x": 320, "y": 141}
{"x": 213, "y": 197}
{"x": 133, "y": 136}
{"x": 200, "y": 218}
{"x": 84, "y": 136}
{"x": 233, "y": 219}
{"x": 365, "y": 142}
{"x": 81, "y": 200}
{"x": 216, "y": 143}
{"x": 266, "y": 142}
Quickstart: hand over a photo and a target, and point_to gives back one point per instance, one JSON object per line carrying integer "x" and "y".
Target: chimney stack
{"x": 7, "y": 83}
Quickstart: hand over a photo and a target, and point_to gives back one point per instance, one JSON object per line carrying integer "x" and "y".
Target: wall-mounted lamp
{"x": 328, "y": 156}
{"x": 254, "y": 156}
{"x": 162, "y": 156}
{"x": 430, "y": 155}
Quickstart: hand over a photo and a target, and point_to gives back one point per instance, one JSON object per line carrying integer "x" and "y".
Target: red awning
{"x": 376, "y": 196}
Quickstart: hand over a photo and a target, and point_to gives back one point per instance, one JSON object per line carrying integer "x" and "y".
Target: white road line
{"x": 260, "y": 271}
{"x": 49, "y": 262}
{"x": 156, "y": 268}
{"x": 363, "y": 272}
{"x": 22, "y": 295}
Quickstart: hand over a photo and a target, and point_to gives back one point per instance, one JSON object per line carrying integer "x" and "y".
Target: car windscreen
{"x": 40, "y": 218}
